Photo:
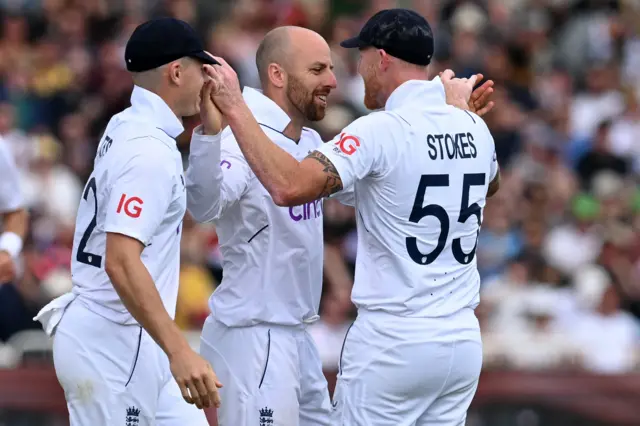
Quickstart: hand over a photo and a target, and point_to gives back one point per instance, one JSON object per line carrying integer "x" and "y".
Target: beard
{"x": 372, "y": 88}
{"x": 304, "y": 100}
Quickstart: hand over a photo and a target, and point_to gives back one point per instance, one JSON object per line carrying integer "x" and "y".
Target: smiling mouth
{"x": 322, "y": 99}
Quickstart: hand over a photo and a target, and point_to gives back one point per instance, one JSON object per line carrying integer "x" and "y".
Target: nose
{"x": 332, "y": 81}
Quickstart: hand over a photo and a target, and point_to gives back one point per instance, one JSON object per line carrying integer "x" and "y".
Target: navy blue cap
{"x": 402, "y": 33}
{"x": 160, "y": 41}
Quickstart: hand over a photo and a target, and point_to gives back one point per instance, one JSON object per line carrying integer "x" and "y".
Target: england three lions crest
{"x": 133, "y": 416}
{"x": 266, "y": 416}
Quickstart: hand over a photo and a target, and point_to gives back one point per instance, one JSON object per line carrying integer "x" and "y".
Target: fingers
{"x": 485, "y": 94}
{"x": 205, "y": 94}
{"x": 472, "y": 80}
{"x": 185, "y": 392}
{"x": 195, "y": 395}
{"x": 221, "y": 61}
{"x": 486, "y": 109}
{"x": 208, "y": 70}
{"x": 447, "y": 75}
{"x": 212, "y": 384}
{"x": 206, "y": 396}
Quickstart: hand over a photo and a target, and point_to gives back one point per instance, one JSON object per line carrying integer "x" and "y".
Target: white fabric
{"x": 609, "y": 343}
{"x": 268, "y": 367}
{"x": 10, "y": 195}
{"x": 137, "y": 189}
{"x": 107, "y": 368}
{"x": 272, "y": 256}
{"x": 50, "y": 315}
{"x": 420, "y": 171}
{"x": 420, "y": 371}
{"x": 11, "y": 243}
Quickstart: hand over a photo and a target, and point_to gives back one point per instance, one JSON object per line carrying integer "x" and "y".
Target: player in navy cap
{"x": 119, "y": 356}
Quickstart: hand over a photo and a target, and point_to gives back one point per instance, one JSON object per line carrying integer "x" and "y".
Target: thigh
{"x": 387, "y": 381}
{"x": 450, "y": 408}
{"x": 259, "y": 372}
{"x": 173, "y": 410}
{"x": 315, "y": 406}
{"x": 102, "y": 369}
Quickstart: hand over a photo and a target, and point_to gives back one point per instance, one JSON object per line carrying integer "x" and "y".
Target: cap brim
{"x": 205, "y": 58}
{"x": 354, "y": 42}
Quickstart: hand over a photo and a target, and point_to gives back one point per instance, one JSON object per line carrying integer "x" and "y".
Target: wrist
{"x": 203, "y": 130}
{"x": 176, "y": 346}
{"x": 11, "y": 243}
{"x": 237, "y": 112}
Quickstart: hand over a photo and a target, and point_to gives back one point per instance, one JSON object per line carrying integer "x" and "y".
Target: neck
{"x": 165, "y": 95}
{"x": 294, "y": 129}
{"x": 403, "y": 75}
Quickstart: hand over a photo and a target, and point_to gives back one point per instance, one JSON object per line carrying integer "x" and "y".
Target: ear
{"x": 385, "y": 60}
{"x": 277, "y": 76}
{"x": 176, "y": 72}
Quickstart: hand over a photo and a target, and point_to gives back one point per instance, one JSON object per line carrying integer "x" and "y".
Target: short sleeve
{"x": 10, "y": 196}
{"x": 140, "y": 196}
{"x": 354, "y": 153}
{"x": 494, "y": 167}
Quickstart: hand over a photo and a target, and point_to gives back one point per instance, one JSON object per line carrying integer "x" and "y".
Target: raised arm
{"x": 217, "y": 176}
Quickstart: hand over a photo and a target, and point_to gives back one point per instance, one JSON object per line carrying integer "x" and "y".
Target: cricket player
{"x": 273, "y": 256}
{"x": 420, "y": 171}
{"x": 116, "y": 346}
{"x": 13, "y": 216}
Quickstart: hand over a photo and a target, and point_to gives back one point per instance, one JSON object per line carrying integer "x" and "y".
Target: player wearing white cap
{"x": 116, "y": 346}
{"x": 420, "y": 171}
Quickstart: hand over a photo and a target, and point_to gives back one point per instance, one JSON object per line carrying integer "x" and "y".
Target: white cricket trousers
{"x": 272, "y": 375}
{"x": 397, "y": 371}
{"x": 114, "y": 374}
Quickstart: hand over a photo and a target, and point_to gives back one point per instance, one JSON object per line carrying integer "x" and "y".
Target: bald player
{"x": 256, "y": 334}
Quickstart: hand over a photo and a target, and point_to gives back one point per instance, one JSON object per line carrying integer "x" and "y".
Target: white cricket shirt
{"x": 10, "y": 195}
{"x": 136, "y": 189}
{"x": 272, "y": 256}
{"x": 420, "y": 171}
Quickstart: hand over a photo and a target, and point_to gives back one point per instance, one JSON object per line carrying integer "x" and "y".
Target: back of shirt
{"x": 420, "y": 172}
{"x": 136, "y": 189}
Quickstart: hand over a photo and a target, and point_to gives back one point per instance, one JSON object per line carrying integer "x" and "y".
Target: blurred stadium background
{"x": 559, "y": 251}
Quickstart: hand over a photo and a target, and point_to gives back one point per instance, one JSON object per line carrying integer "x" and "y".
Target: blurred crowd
{"x": 559, "y": 250}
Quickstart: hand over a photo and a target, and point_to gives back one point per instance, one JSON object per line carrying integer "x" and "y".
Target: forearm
{"x": 204, "y": 178}
{"x": 138, "y": 293}
{"x": 336, "y": 272}
{"x": 274, "y": 167}
{"x": 14, "y": 231}
{"x": 16, "y": 222}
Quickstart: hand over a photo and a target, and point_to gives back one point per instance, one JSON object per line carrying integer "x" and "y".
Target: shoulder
{"x": 312, "y": 136}
{"x": 376, "y": 121}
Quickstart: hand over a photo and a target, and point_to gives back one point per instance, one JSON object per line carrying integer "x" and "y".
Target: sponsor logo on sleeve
{"x": 131, "y": 206}
{"x": 348, "y": 144}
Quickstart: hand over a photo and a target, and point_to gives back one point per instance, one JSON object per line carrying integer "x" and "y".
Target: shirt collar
{"x": 266, "y": 111}
{"x": 155, "y": 111}
{"x": 417, "y": 91}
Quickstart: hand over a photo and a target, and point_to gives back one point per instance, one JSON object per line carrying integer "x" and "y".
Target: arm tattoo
{"x": 333, "y": 183}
